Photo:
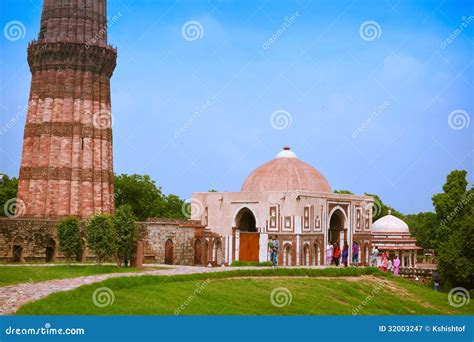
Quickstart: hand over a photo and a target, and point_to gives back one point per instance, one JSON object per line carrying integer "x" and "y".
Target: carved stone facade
{"x": 66, "y": 166}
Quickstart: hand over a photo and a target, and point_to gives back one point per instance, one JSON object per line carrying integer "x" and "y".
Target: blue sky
{"x": 368, "y": 108}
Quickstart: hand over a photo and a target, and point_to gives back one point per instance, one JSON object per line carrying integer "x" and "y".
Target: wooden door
{"x": 249, "y": 246}
{"x": 169, "y": 252}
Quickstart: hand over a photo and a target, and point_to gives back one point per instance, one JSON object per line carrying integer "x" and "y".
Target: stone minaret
{"x": 66, "y": 166}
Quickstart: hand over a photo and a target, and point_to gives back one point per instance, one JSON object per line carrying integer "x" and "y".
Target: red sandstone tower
{"x": 66, "y": 166}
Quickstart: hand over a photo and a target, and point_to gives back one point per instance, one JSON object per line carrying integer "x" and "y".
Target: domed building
{"x": 391, "y": 234}
{"x": 288, "y": 199}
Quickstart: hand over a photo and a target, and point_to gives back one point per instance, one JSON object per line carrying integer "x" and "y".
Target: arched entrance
{"x": 50, "y": 250}
{"x": 198, "y": 252}
{"x": 18, "y": 249}
{"x": 169, "y": 246}
{"x": 249, "y": 244}
{"x": 306, "y": 255}
{"x": 316, "y": 254}
{"x": 287, "y": 255}
{"x": 337, "y": 223}
{"x": 217, "y": 254}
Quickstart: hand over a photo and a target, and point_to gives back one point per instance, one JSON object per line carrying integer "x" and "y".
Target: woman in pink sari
{"x": 396, "y": 265}
{"x": 384, "y": 261}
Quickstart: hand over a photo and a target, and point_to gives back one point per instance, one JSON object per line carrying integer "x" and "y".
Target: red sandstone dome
{"x": 286, "y": 173}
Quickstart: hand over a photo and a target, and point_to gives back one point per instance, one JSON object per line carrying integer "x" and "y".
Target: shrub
{"x": 127, "y": 232}
{"x": 101, "y": 237}
{"x": 69, "y": 236}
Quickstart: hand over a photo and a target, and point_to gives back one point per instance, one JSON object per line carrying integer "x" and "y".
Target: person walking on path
{"x": 329, "y": 253}
{"x": 355, "y": 253}
{"x": 373, "y": 256}
{"x": 345, "y": 254}
{"x": 337, "y": 254}
{"x": 396, "y": 265}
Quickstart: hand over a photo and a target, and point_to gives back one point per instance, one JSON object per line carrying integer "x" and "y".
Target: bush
{"x": 69, "y": 236}
{"x": 101, "y": 237}
{"x": 127, "y": 232}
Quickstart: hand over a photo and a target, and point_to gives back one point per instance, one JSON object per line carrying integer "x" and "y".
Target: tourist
{"x": 329, "y": 253}
{"x": 435, "y": 281}
{"x": 355, "y": 253}
{"x": 337, "y": 254}
{"x": 396, "y": 265}
{"x": 276, "y": 244}
{"x": 373, "y": 256}
{"x": 345, "y": 253}
{"x": 389, "y": 266}
{"x": 270, "y": 248}
{"x": 384, "y": 261}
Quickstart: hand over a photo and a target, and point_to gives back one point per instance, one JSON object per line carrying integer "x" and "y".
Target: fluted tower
{"x": 66, "y": 166}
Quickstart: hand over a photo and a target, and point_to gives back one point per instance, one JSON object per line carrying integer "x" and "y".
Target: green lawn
{"x": 32, "y": 274}
{"x": 313, "y": 292}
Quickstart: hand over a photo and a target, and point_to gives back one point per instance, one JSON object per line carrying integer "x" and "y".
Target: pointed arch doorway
{"x": 249, "y": 238}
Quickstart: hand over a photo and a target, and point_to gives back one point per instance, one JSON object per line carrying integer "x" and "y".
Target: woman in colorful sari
{"x": 337, "y": 254}
{"x": 396, "y": 265}
{"x": 329, "y": 252}
{"x": 345, "y": 254}
{"x": 384, "y": 261}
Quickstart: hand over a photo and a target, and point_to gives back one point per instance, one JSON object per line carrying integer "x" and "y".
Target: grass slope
{"x": 31, "y": 274}
{"x": 313, "y": 292}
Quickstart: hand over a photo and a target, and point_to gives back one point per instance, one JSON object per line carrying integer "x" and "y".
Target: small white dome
{"x": 390, "y": 224}
{"x": 286, "y": 153}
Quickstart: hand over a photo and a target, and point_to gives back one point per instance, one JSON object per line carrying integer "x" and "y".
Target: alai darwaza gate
{"x": 288, "y": 199}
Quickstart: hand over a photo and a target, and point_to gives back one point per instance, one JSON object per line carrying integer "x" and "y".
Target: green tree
{"x": 343, "y": 192}
{"x": 127, "y": 232}
{"x": 69, "y": 236}
{"x": 8, "y": 191}
{"x": 453, "y": 236}
{"x": 145, "y": 198}
{"x": 381, "y": 209}
{"x": 422, "y": 227}
{"x": 101, "y": 237}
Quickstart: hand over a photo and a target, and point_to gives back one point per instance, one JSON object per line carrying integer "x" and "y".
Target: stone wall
{"x": 37, "y": 239}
